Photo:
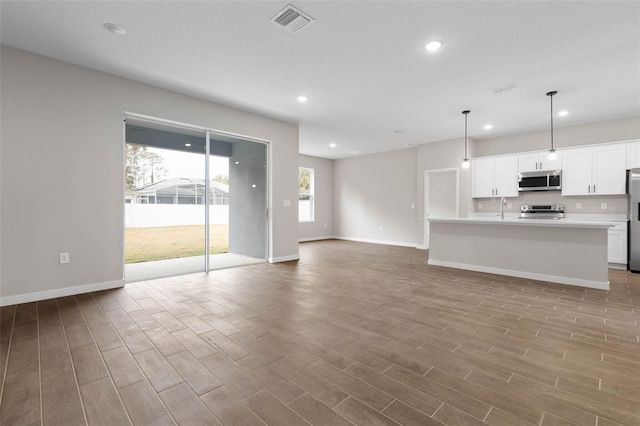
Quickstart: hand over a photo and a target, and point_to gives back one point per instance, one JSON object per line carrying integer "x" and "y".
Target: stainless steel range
{"x": 542, "y": 211}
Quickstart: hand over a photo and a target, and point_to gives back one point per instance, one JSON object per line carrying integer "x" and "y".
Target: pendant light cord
{"x": 465, "y": 136}
{"x": 551, "y": 121}
{"x": 550, "y": 94}
{"x": 465, "y": 112}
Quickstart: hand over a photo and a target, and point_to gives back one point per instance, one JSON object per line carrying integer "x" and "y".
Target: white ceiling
{"x": 362, "y": 64}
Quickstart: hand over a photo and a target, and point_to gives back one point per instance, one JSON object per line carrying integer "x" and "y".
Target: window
{"x": 305, "y": 194}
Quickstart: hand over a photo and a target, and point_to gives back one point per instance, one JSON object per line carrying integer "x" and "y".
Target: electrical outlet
{"x": 64, "y": 258}
{"x": 578, "y": 206}
{"x": 413, "y": 205}
{"x": 603, "y": 206}
{"x": 479, "y": 206}
{"x": 508, "y": 205}
{"x": 286, "y": 203}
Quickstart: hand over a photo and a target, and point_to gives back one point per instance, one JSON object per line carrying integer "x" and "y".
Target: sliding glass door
{"x": 195, "y": 200}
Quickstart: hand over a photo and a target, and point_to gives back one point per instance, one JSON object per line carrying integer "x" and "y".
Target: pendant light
{"x": 552, "y": 151}
{"x": 465, "y": 162}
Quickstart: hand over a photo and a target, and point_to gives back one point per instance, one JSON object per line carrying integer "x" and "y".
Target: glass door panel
{"x": 164, "y": 201}
{"x": 238, "y": 191}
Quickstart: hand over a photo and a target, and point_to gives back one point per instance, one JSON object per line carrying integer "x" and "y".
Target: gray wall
{"x": 322, "y": 226}
{"x": 373, "y": 192}
{"x": 593, "y": 133}
{"x": 62, "y": 171}
{"x": 442, "y": 155}
{"x": 359, "y": 209}
{"x": 606, "y": 131}
{"x": 247, "y": 204}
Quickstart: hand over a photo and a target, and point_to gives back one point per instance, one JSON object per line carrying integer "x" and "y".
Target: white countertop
{"x": 512, "y": 221}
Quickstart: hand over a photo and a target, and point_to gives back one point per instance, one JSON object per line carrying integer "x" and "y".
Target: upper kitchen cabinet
{"x": 598, "y": 170}
{"x": 534, "y": 161}
{"x": 633, "y": 154}
{"x": 495, "y": 176}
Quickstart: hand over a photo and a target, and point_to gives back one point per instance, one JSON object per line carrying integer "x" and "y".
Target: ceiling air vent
{"x": 502, "y": 89}
{"x": 292, "y": 19}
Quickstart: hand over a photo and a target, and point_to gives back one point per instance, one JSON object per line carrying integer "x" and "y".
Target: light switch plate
{"x": 64, "y": 258}
{"x": 603, "y": 206}
{"x": 578, "y": 206}
{"x": 286, "y": 203}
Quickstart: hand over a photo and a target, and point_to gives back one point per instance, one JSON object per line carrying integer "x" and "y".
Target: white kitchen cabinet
{"x": 598, "y": 170}
{"x": 495, "y": 176}
{"x": 534, "y": 161}
{"x": 617, "y": 247}
{"x": 633, "y": 154}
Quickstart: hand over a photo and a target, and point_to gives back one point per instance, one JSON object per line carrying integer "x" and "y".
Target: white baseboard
{"x": 284, "y": 258}
{"x": 622, "y": 266}
{"x": 422, "y": 247}
{"x": 389, "y": 243}
{"x": 307, "y": 239}
{"x": 59, "y": 292}
{"x": 601, "y": 285}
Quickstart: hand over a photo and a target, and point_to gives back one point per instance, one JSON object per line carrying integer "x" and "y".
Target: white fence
{"x": 149, "y": 215}
{"x": 305, "y": 210}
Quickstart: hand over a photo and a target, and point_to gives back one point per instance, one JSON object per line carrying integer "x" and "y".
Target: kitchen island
{"x": 563, "y": 251}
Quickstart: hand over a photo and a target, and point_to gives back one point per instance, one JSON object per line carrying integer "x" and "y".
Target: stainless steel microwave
{"x": 540, "y": 180}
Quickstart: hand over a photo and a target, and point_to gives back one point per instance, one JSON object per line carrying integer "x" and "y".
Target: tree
{"x": 221, "y": 178}
{"x": 304, "y": 181}
{"x": 143, "y": 167}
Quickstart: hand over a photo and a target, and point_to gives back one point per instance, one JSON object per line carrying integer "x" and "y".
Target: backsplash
{"x": 615, "y": 204}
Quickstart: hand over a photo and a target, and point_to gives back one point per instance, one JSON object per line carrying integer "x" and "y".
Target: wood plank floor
{"x": 351, "y": 334}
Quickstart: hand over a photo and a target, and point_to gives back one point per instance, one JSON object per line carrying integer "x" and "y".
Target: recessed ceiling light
{"x": 116, "y": 29}
{"x": 488, "y": 126}
{"x": 302, "y": 99}
{"x": 563, "y": 113}
{"x": 332, "y": 145}
{"x": 187, "y": 144}
{"x": 432, "y": 46}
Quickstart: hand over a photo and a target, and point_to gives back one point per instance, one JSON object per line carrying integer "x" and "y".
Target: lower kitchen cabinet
{"x": 617, "y": 247}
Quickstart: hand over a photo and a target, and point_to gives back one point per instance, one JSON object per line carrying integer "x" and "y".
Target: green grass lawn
{"x": 170, "y": 242}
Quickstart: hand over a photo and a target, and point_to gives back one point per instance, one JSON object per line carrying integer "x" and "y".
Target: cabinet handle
{"x": 594, "y": 189}
{"x": 589, "y": 189}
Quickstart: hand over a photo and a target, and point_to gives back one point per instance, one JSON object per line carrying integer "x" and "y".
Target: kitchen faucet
{"x": 503, "y": 202}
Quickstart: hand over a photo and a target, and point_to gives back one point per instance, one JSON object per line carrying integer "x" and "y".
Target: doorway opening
{"x": 195, "y": 200}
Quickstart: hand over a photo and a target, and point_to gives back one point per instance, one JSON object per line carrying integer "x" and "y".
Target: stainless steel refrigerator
{"x": 634, "y": 220}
